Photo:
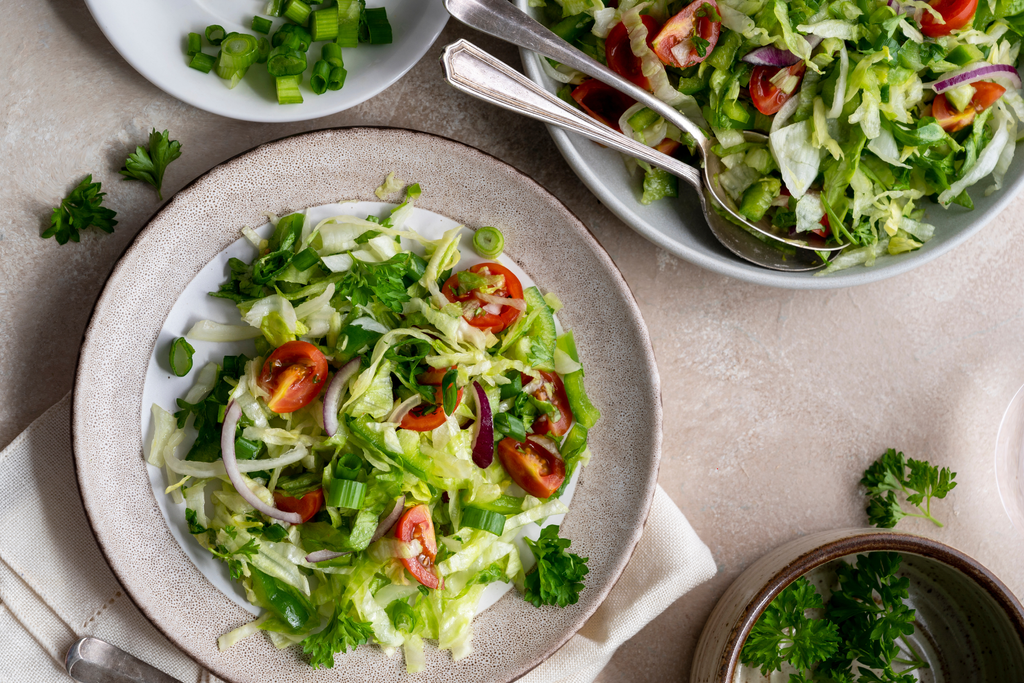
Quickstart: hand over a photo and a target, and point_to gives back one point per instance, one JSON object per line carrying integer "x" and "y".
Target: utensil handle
{"x": 91, "y": 660}
{"x": 501, "y": 19}
{"x": 472, "y": 71}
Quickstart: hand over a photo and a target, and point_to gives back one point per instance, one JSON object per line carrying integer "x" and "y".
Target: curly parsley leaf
{"x": 79, "y": 210}
{"x": 341, "y": 634}
{"x": 785, "y": 633}
{"x": 230, "y": 557}
{"x": 149, "y": 165}
{"x": 918, "y": 480}
{"x": 557, "y": 578}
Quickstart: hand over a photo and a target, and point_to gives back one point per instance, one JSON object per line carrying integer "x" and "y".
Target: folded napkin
{"x": 55, "y": 586}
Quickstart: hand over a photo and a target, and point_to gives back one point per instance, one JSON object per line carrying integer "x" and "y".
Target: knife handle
{"x": 91, "y": 660}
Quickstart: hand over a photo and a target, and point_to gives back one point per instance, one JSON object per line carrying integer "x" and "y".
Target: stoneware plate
{"x": 678, "y": 226}
{"x": 152, "y": 37}
{"x": 968, "y": 625}
{"x": 613, "y": 494}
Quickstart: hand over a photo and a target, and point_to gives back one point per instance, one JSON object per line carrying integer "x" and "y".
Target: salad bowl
{"x": 678, "y": 226}
{"x": 612, "y": 496}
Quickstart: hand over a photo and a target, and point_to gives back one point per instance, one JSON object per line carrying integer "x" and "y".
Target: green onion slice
{"x": 485, "y": 520}
{"x": 215, "y": 34}
{"x": 510, "y": 425}
{"x": 286, "y": 61}
{"x": 337, "y": 80}
{"x": 238, "y": 51}
{"x": 288, "y": 89}
{"x": 345, "y": 493}
{"x": 181, "y": 357}
{"x": 274, "y": 8}
{"x": 378, "y": 28}
{"x": 203, "y": 62}
{"x": 323, "y": 24}
{"x": 261, "y": 24}
{"x": 297, "y": 11}
{"x": 195, "y": 44}
{"x": 307, "y": 258}
{"x": 348, "y": 466}
{"x": 318, "y": 83}
{"x": 331, "y": 54}
{"x": 488, "y": 242}
{"x": 263, "y": 45}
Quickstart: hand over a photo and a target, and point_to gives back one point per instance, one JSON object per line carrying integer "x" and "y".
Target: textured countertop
{"x": 775, "y": 401}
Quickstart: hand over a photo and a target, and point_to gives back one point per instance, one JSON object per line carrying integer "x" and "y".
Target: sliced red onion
{"x": 388, "y": 520}
{"x": 483, "y": 442}
{"x": 896, "y": 7}
{"x": 976, "y": 72}
{"x": 227, "y": 448}
{"x": 332, "y": 399}
{"x": 403, "y": 408}
{"x": 518, "y": 304}
{"x": 769, "y": 55}
{"x": 324, "y": 555}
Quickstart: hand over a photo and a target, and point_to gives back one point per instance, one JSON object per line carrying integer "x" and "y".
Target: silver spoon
{"x": 501, "y": 19}
{"x": 472, "y": 71}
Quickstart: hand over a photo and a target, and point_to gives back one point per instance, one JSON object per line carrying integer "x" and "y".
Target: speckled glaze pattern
{"x": 551, "y": 244}
{"x": 973, "y": 621}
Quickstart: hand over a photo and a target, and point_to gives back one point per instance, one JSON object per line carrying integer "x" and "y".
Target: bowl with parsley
{"x": 863, "y": 605}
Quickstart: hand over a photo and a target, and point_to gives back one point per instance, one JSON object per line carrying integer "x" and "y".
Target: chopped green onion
{"x": 321, "y": 75}
{"x": 288, "y": 89}
{"x": 488, "y": 242}
{"x": 274, "y": 8}
{"x": 324, "y": 24}
{"x": 450, "y": 391}
{"x": 306, "y": 258}
{"x": 345, "y": 493}
{"x": 348, "y": 23}
{"x": 215, "y": 33}
{"x": 293, "y": 36}
{"x": 263, "y": 45}
{"x": 202, "y": 62}
{"x": 297, "y": 11}
{"x": 378, "y": 28}
{"x": 331, "y": 54}
{"x": 337, "y": 79}
{"x": 261, "y": 24}
{"x": 238, "y": 51}
{"x": 348, "y": 466}
{"x": 485, "y": 520}
{"x": 195, "y": 44}
{"x": 510, "y": 425}
{"x": 181, "y": 357}
{"x": 503, "y": 504}
{"x": 286, "y": 61}
{"x": 246, "y": 449}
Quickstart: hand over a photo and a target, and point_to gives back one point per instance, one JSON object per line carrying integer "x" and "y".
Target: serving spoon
{"x": 501, "y": 19}
{"x": 475, "y": 72}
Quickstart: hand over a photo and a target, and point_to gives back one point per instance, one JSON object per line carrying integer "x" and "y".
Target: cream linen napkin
{"x": 56, "y": 587}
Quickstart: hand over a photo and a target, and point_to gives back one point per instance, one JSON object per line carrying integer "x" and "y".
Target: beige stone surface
{"x": 775, "y": 401}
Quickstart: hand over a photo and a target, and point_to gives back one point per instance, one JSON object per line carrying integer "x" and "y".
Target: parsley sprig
{"x": 342, "y": 633}
{"x": 918, "y": 480}
{"x": 79, "y": 210}
{"x": 149, "y": 165}
{"x": 558, "y": 577}
{"x": 864, "y": 627}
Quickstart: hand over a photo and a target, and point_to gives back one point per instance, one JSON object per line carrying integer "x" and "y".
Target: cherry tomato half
{"x": 957, "y": 14}
{"x": 426, "y": 418}
{"x": 415, "y": 523}
{"x": 620, "y": 56}
{"x": 537, "y": 470}
{"x": 553, "y": 392}
{"x": 511, "y": 288}
{"x": 766, "y": 97}
{"x": 602, "y": 102}
{"x": 951, "y": 120}
{"x": 293, "y": 375}
{"x": 307, "y": 506}
{"x": 674, "y": 44}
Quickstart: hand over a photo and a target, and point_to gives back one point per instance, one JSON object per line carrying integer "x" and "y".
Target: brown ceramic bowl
{"x": 969, "y": 626}
{"x": 542, "y": 236}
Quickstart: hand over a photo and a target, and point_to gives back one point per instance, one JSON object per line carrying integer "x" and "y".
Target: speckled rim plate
{"x": 678, "y": 226}
{"x": 613, "y": 495}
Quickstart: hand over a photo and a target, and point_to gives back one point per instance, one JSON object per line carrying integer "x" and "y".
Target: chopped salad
{"x": 367, "y": 474}
{"x": 874, "y": 109}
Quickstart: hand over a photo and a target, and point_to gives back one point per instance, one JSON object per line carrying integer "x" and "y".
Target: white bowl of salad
{"x": 360, "y": 451}
{"x": 892, "y": 126}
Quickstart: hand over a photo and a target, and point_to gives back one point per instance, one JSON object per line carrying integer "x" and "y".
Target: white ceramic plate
{"x": 151, "y": 35}
{"x": 162, "y": 387}
{"x": 678, "y": 226}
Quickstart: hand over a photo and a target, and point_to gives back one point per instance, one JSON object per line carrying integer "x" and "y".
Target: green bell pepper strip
{"x": 582, "y": 409}
{"x": 284, "y": 602}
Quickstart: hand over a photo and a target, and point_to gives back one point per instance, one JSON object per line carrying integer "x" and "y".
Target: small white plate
{"x": 152, "y": 37}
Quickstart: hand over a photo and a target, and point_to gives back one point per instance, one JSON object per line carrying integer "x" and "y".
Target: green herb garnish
{"x": 149, "y": 165}
{"x": 558, "y": 577}
{"x": 79, "y": 210}
{"x": 918, "y": 480}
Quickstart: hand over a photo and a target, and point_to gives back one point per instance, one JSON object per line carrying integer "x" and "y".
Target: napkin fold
{"x": 55, "y": 586}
